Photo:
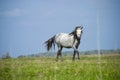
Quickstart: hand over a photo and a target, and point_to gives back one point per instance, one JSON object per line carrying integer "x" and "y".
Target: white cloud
{"x": 13, "y": 12}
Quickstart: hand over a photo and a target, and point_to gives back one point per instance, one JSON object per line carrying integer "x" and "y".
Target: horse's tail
{"x": 50, "y": 42}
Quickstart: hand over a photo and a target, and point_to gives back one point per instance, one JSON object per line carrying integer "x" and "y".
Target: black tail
{"x": 49, "y": 43}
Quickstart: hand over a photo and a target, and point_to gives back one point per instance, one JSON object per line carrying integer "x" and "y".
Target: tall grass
{"x": 45, "y": 68}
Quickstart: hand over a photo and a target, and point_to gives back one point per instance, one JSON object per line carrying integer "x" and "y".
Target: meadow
{"x": 89, "y": 67}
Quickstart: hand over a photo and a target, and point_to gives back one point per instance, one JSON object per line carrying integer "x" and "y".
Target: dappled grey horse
{"x": 71, "y": 40}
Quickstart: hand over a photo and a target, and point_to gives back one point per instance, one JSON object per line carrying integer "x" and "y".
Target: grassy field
{"x": 90, "y": 67}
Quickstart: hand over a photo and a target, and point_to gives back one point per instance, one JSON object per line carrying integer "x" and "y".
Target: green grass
{"x": 90, "y": 67}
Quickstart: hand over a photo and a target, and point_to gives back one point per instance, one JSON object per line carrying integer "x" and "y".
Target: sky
{"x": 26, "y": 24}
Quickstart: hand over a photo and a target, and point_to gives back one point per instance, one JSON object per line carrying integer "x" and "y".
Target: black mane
{"x": 74, "y": 32}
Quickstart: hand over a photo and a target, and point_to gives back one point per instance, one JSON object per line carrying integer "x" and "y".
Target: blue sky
{"x": 26, "y": 24}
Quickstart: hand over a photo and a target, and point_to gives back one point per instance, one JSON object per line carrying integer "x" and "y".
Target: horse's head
{"x": 78, "y": 31}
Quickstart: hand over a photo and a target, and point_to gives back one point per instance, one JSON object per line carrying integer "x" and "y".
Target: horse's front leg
{"x": 74, "y": 55}
{"x": 75, "y": 51}
{"x": 78, "y": 55}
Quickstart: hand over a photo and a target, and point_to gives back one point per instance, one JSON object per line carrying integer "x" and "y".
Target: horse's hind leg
{"x": 78, "y": 55}
{"x": 59, "y": 52}
{"x": 57, "y": 56}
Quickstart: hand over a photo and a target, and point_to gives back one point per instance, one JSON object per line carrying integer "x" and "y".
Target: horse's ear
{"x": 81, "y": 27}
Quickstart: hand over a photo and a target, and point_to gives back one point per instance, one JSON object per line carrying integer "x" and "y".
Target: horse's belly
{"x": 66, "y": 42}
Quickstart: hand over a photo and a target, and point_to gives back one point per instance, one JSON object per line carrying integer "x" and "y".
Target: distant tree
{"x": 6, "y": 55}
{"x": 86, "y": 53}
{"x": 21, "y": 56}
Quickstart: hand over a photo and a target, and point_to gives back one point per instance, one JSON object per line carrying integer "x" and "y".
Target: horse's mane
{"x": 74, "y": 31}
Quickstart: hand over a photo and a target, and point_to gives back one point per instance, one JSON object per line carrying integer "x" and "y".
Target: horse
{"x": 64, "y": 40}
